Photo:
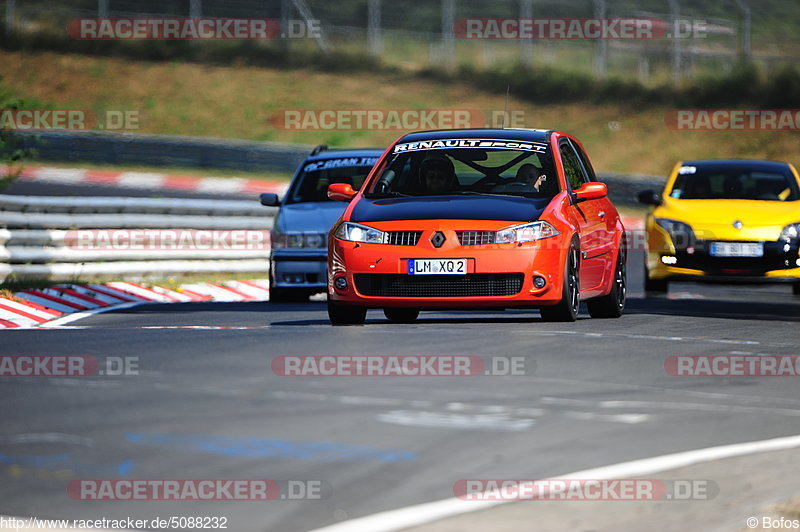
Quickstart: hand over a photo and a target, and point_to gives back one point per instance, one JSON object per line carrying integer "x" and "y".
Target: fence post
{"x": 102, "y": 8}
{"x": 747, "y": 47}
{"x": 601, "y": 44}
{"x": 526, "y": 45}
{"x": 448, "y": 36}
{"x": 374, "y": 27}
{"x": 195, "y": 8}
{"x": 676, "y": 40}
{"x": 10, "y": 16}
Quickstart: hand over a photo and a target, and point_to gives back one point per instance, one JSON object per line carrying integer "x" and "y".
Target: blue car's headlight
{"x": 525, "y": 233}
{"x": 360, "y": 233}
{"x": 298, "y": 240}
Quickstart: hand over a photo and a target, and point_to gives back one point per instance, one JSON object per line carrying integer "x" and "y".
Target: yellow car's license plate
{"x": 737, "y": 249}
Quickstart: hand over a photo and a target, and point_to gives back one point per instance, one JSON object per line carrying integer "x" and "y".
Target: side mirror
{"x": 341, "y": 192}
{"x": 269, "y": 200}
{"x": 649, "y": 197}
{"x": 590, "y": 191}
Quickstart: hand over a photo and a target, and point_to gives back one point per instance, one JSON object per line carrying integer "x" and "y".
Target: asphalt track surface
{"x": 206, "y": 403}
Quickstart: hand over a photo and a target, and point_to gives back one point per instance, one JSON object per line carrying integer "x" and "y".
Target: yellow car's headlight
{"x": 681, "y": 233}
{"x": 791, "y": 232}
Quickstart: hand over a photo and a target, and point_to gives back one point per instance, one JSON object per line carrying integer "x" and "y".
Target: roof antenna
{"x": 505, "y": 111}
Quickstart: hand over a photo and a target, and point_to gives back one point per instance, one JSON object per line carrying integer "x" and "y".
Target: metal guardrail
{"x": 38, "y": 236}
{"x": 114, "y": 148}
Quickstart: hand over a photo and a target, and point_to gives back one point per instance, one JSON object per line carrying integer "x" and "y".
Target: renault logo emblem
{"x": 438, "y": 239}
{"x": 737, "y": 224}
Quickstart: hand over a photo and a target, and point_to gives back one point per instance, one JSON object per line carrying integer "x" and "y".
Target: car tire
{"x": 612, "y": 305}
{"x": 654, "y": 286}
{"x": 401, "y": 315}
{"x": 346, "y": 314}
{"x": 567, "y": 308}
{"x": 796, "y": 289}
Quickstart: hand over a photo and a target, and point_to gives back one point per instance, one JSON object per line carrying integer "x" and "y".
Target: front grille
{"x": 403, "y": 238}
{"x": 475, "y": 238}
{"x": 470, "y": 285}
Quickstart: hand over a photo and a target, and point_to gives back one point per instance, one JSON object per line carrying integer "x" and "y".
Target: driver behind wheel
{"x": 530, "y": 174}
{"x": 437, "y": 176}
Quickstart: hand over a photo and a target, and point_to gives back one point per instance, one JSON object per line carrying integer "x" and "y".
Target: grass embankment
{"x": 239, "y": 102}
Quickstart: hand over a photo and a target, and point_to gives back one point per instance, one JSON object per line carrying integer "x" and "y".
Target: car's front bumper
{"x": 780, "y": 263}
{"x": 498, "y": 275}
{"x": 302, "y": 269}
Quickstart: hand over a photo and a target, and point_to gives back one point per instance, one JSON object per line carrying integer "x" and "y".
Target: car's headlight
{"x": 791, "y": 232}
{"x": 360, "y": 233}
{"x": 525, "y": 233}
{"x": 297, "y": 240}
{"x": 681, "y": 234}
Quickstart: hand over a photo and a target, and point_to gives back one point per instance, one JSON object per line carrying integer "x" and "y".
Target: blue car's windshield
{"x": 312, "y": 182}
{"x": 464, "y": 171}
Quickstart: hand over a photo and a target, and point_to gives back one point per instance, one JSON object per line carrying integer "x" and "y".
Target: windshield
{"x": 312, "y": 183}
{"x": 527, "y": 173}
{"x": 734, "y": 183}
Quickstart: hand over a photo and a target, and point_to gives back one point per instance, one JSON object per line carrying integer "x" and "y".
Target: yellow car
{"x": 724, "y": 221}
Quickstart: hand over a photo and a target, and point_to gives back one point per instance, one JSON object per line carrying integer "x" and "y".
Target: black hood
{"x": 510, "y": 208}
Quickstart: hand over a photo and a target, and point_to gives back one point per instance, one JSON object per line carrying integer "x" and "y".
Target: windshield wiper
{"x": 474, "y": 193}
{"x": 391, "y": 194}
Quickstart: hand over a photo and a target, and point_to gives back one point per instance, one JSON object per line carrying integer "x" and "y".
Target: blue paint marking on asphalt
{"x": 65, "y": 461}
{"x": 271, "y": 448}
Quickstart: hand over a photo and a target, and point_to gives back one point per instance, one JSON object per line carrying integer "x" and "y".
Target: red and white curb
{"x": 151, "y": 180}
{"x": 64, "y": 303}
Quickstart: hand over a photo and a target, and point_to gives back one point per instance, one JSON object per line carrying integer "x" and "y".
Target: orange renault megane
{"x": 478, "y": 218}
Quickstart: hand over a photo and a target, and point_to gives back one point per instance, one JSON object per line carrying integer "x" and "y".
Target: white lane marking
{"x": 46, "y": 437}
{"x": 58, "y": 322}
{"x": 677, "y": 391}
{"x": 471, "y": 409}
{"x": 28, "y": 309}
{"x": 91, "y": 293}
{"x": 140, "y": 291}
{"x": 141, "y": 180}
{"x": 419, "y": 514}
{"x": 22, "y": 321}
{"x": 652, "y": 337}
{"x": 61, "y": 175}
{"x": 46, "y": 303}
{"x": 448, "y": 420}
{"x": 673, "y": 405}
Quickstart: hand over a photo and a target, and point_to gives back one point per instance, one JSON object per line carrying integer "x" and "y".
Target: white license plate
{"x": 737, "y": 249}
{"x": 437, "y": 266}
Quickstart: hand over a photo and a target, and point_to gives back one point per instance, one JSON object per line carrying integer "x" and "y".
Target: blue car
{"x": 298, "y": 259}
